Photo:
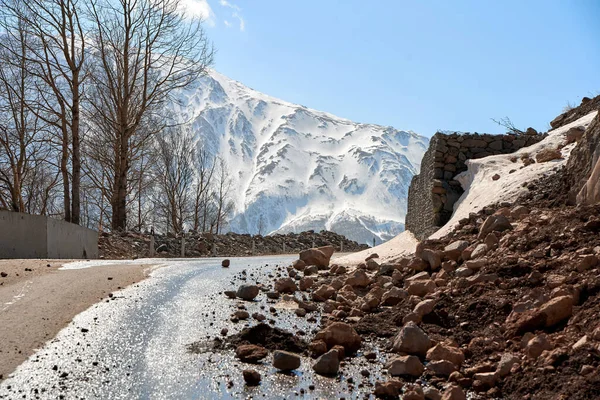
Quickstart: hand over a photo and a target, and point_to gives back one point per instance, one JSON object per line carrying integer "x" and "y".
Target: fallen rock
{"x": 537, "y": 345}
{"x": 258, "y": 316}
{"x": 324, "y": 292}
{"x": 372, "y": 264}
{"x": 247, "y": 292}
{"x": 454, "y": 393}
{"x": 546, "y": 155}
{"x": 225, "y": 263}
{"x": 506, "y": 363}
{"x": 388, "y": 390}
{"x": 481, "y": 249}
{"x": 306, "y": 283}
{"x": 317, "y": 348}
{"x": 285, "y": 285}
{"x": 311, "y": 270}
{"x": 441, "y": 367}
{"x": 251, "y": 377}
{"x": 405, "y": 365}
{"x": 241, "y": 314}
{"x": 447, "y": 353}
{"x": 557, "y": 310}
{"x": 251, "y": 353}
{"x": 431, "y": 393}
{"x": 494, "y": 223}
{"x": 230, "y": 293}
{"x": 327, "y": 364}
{"x": 285, "y": 361}
{"x": 454, "y": 250}
{"x": 432, "y": 257}
{"x": 393, "y": 296}
{"x": 424, "y": 307}
{"x": 358, "y": 278}
{"x": 340, "y": 333}
{"x": 421, "y": 288}
{"x": 299, "y": 265}
{"x": 317, "y": 256}
{"x": 411, "y": 340}
{"x": 417, "y": 264}
{"x": 575, "y": 134}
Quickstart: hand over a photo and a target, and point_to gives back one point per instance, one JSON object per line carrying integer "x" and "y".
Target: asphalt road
{"x": 135, "y": 345}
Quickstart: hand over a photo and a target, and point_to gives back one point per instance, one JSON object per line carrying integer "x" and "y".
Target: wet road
{"x": 135, "y": 345}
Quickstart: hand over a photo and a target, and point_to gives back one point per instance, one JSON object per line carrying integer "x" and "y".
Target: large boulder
{"x": 411, "y": 340}
{"x": 247, "y": 292}
{"x": 317, "y": 256}
{"x": 285, "y": 361}
{"x": 328, "y": 363}
{"x": 340, "y": 333}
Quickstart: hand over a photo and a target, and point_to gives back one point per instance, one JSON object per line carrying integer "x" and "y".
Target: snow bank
{"x": 404, "y": 243}
{"x": 481, "y": 190}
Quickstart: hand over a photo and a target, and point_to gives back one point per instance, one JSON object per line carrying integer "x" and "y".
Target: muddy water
{"x": 135, "y": 345}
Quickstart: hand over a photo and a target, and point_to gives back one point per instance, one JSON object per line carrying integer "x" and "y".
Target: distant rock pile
{"x": 127, "y": 245}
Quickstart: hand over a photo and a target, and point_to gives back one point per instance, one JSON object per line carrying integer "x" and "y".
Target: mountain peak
{"x": 295, "y": 168}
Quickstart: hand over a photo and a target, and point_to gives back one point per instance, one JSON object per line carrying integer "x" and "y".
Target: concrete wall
{"x": 34, "y": 236}
{"x": 434, "y": 191}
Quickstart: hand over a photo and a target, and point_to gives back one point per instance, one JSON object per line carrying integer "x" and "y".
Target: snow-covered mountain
{"x": 296, "y": 169}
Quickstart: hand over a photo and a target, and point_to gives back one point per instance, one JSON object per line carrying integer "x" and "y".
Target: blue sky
{"x": 418, "y": 65}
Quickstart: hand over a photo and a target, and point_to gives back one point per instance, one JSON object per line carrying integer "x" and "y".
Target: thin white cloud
{"x": 199, "y": 9}
{"x": 225, "y": 3}
{"x": 236, "y": 14}
{"x": 227, "y": 23}
{"x": 242, "y": 22}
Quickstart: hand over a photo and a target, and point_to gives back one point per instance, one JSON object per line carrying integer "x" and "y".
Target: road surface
{"x": 135, "y": 345}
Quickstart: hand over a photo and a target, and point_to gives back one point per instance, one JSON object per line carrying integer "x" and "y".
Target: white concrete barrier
{"x": 35, "y": 236}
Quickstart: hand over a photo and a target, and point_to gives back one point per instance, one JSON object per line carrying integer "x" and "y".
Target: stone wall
{"x": 434, "y": 191}
{"x": 35, "y": 236}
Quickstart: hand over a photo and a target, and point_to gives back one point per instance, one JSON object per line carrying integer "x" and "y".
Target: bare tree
{"x": 22, "y": 147}
{"x": 144, "y": 50}
{"x": 175, "y": 175}
{"x": 57, "y": 56}
{"x": 205, "y": 168}
{"x": 222, "y": 195}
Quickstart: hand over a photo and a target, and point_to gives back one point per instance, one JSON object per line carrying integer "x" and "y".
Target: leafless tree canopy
{"x": 84, "y": 131}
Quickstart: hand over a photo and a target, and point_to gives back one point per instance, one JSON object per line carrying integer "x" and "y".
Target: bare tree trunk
{"x": 64, "y": 170}
{"x": 75, "y": 114}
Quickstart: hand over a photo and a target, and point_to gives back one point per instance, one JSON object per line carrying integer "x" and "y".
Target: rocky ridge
{"x": 128, "y": 245}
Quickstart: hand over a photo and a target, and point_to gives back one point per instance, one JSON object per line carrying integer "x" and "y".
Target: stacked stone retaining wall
{"x": 434, "y": 191}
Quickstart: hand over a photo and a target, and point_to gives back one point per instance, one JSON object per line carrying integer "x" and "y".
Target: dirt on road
{"x": 37, "y": 300}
